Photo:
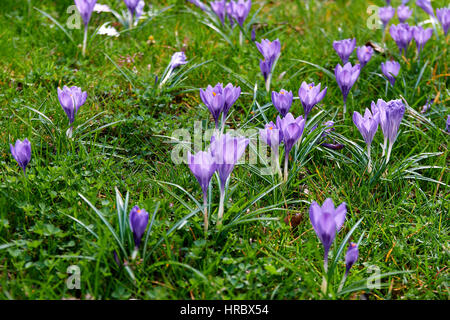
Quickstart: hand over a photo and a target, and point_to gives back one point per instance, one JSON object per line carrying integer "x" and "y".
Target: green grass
{"x": 257, "y": 255}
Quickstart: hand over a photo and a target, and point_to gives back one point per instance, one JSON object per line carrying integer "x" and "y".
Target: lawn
{"x": 64, "y": 228}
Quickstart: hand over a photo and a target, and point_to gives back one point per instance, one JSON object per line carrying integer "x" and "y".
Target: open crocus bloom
{"x": 138, "y": 223}
{"x": 344, "y": 48}
{"x": 71, "y": 99}
{"x": 21, "y": 152}
{"x": 282, "y": 101}
{"x": 310, "y": 95}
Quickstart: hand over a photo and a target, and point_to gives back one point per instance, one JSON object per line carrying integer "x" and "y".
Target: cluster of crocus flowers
{"x": 177, "y": 59}
{"x": 390, "y": 116}
{"x": 138, "y": 219}
{"x": 344, "y": 48}
{"x": 71, "y": 99}
{"x": 443, "y": 15}
{"x": 219, "y": 100}
{"x": 236, "y": 11}
{"x": 367, "y": 126}
{"x": 291, "y": 130}
{"x": 310, "y": 95}
{"x": 403, "y": 13}
{"x": 364, "y": 54}
{"x": 346, "y": 77}
{"x": 390, "y": 69}
{"x": 270, "y": 50}
{"x": 21, "y": 152}
{"x": 85, "y": 8}
{"x": 135, "y": 10}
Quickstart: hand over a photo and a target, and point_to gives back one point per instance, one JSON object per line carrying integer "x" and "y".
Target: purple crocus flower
{"x": 390, "y": 115}
{"x": 203, "y": 167}
{"x": 421, "y": 36}
{"x": 447, "y": 125}
{"x": 402, "y": 35}
{"x": 241, "y": 9}
{"x": 310, "y": 95}
{"x": 226, "y": 150}
{"x": 271, "y": 135}
{"x": 367, "y": 126}
{"x": 390, "y": 69}
{"x": 282, "y": 101}
{"x": 71, "y": 99}
{"x": 364, "y": 55}
{"x": 344, "y": 48}
{"x": 269, "y": 49}
{"x": 214, "y": 99}
{"x": 351, "y": 256}
{"x": 229, "y": 11}
{"x": 178, "y": 59}
{"x": 21, "y": 152}
{"x": 346, "y": 77}
{"x": 138, "y": 223}
{"x": 327, "y": 221}
{"x": 139, "y": 9}
{"x": 219, "y": 9}
{"x": 443, "y": 16}
{"x": 230, "y": 94}
{"x": 426, "y": 6}
{"x": 266, "y": 68}
{"x": 292, "y": 130}
{"x": 403, "y": 13}
{"x": 386, "y": 14}
{"x": 85, "y": 8}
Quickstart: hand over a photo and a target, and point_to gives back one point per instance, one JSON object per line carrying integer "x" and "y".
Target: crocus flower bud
{"x": 85, "y": 8}
{"x": 21, "y": 152}
{"x": 364, "y": 55}
{"x": 138, "y": 223}
{"x": 310, "y": 95}
{"x": 390, "y": 69}
{"x": 178, "y": 59}
{"x": 71, "y": 99}
{"x": 351, "y": 256}
{"x": 292, "y": 130}
{"x": 266, "y": 68}
{"x": 443, "y": 16}
{"x": 253, "y": 35}
{"x": 213, "y": 98}
{"x": 426, "y": 6}
{"x": 227, "y": 150}
{"x": 391, "y": 115}
{"x": 403, "y": 13}
{"x": 131, "y": 5}
{"x": 219, "y": 9}
{"x": 271, "y": 135}
{"x": 402, "y": 35}
{"x": 344, "y": 48}
{"x": 203, "y": 167}
{"x": 327, "y": 221}
{"x": 269, "y": 49}
{"x": 386, "y": 14}
{"x": 346, "y": 77}
{"x": 282, "y": 101}
{"x": 230, "y": 94}
{"x": 447, "y": 125}
{"x": 421, "y": 36}
{"x": 366, "y": 125}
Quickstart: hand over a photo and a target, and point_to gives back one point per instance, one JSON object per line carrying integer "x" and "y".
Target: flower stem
{"x": 345, "y": 109}
{"x": 384, "y": 146}
{"x": 369, "y": 166}
{"x": 85, "y": 40}
{"x": 130, "y": 19}
{"x": 286, "y": 162}
{"x": 205, "y": 212}
{"x": 241, "y": 38}
{"x": 221, "y": 206}
{"x": 389, "y": 153}
{"x": 324, "y": 286}
{"x": 341, "y": 285}
{"x": 268, "y": 81}
{"x": 169, "y": 73}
